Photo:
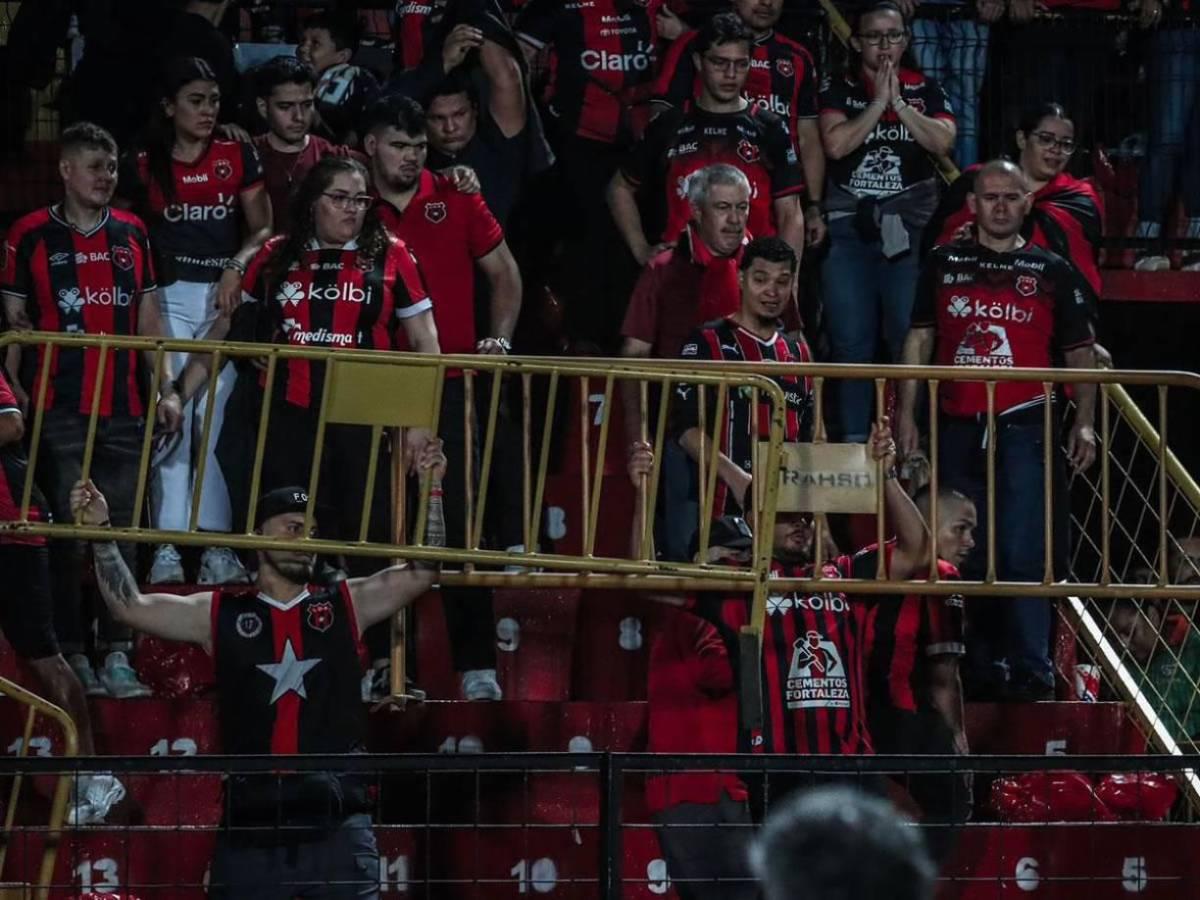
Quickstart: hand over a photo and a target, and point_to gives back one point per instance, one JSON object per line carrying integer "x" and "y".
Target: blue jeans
{"x": 1174, "y": 82}
{"x": 954, "y": 54}
{"x": 1009, "y": 637}
{"x": 864, "y": 293}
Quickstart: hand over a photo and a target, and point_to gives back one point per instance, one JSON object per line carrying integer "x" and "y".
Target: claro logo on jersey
{"x": 640, "y": 60}
{"x": 192, "y": 212}
{"x": 817, "y": 678}
{"x": 291, "y": 293}
{"x": 72, "y": 300}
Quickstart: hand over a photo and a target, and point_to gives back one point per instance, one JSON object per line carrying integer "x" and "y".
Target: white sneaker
{"x": 82, "y": 667}
{"x": 1190, "y": 263}
{"x": 95, "y": 796}
{"x": 1152, "y": 262}
{"x": 167, "y": 567}
{"x": 481, "y": 684}
{"x": 120, "y": 678}
{"x": 220, "y": 565}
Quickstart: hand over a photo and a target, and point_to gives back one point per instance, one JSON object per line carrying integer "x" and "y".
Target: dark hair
{"x": 837, "y": 843}
{"x": 772, "y": 249}
{"x": 853, "y": 58}
{"x": 282, "y": 70}
{"x": 1031, "y": 116}
{"x": 879, "y": 6}
{"x": 457, "y": 82}
{"x": 723, "y": 28}
{"x": 86, "y": 136}
{"x": 159, "y": 135}
{"x": 402, "y": 113}
{"x": 372, "y": 241}
{"x": 945, "y": 494}
{"x": 344, "y": 28}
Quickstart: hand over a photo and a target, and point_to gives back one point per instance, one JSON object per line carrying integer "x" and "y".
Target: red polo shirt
{"x": 447, "y": 231}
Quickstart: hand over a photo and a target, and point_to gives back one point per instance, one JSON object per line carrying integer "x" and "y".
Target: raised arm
{"x": 380, "y": 596}
{"x": 912, "y": 536}
{"x": 169, "y": 616}
{"x": 506, "y": 88}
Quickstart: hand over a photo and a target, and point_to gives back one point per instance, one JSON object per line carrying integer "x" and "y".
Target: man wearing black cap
{"x": 288, "y": 682}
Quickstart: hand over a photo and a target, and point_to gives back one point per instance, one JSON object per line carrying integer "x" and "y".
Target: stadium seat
{"x": 644, "y": 872}
{"x": 612, "y": 649}
{"x": 1051, "y": 728}
{"x": 535, "y": 633}
{"x": 500, "y": 863}
{"x": 401, "y": 863}
{"x": 562, "y": 522}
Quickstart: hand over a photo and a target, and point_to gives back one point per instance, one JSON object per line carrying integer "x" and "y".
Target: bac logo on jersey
{"x": 320, "y": 616}
{"x": 122, "y": 258}
{"x": 747, "y": 151}
{"x": 435, "y": 212}
{"x": 1026, "y": 285}
{"x": 223, "y": 169}
{"x": 248, "y": 625}
{"x": 785, "y": 67}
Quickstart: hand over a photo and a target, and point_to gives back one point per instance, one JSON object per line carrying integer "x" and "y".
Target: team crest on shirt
{"x": 916, "y": 103}
{"x": 122, "y": 258}
{"x": 248, "y": 625}
{"x": 435, "y": 212}
{"x": 223, "y": 169}
{"x": 364, "y": 263}
{"x": 785, "y": 67}
{"x": 1026, "y": 285}
{"x": 320, "y": 616}
{"x": 747, "y": 151}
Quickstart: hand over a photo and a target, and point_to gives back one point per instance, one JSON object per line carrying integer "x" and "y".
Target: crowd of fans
{"x": 662, "y": 170}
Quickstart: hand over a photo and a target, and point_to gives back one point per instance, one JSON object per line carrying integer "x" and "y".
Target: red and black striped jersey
{"x": 288, "y": 674}
{"x": 682, "y": 141}
{"x": 81, "y": 283}
{"x": 782, "y": 78}
{"x": 726, "y": 340}
{"x": 331, "y": 298}
{"x": 603, "y": 50}
{"x": 200, "y": 228}
{"x": 814, "y": 697}
{"x": 14, "y": 465}
{"x": 905, "y": 632}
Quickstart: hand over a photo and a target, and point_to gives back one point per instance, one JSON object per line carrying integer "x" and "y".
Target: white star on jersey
{"x": 288, "y": 673}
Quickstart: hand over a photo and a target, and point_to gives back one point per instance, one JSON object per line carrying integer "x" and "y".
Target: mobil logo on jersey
{"x": 817, "y": 677}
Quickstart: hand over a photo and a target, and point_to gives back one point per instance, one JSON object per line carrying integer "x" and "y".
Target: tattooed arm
{"x": 169, "y": 616}
{"x": 385, "y": 593}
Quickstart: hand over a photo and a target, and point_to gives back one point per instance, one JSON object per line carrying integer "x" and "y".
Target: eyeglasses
{"x": 358, "y": 202}
{"x": 1046, "y": 139}
{"x": 879, "y": 38}
{"x": 728, "y": 65}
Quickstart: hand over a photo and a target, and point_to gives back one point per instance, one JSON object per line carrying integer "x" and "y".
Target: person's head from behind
{"x": 719, "y": 196}
{"x": 284, "y": 89}
{"x": 87, "y": 162}
{"x": 793, "y": 539}
{"x": 1045, "y": 141}
{"x": 767, "y": 270}
{"x": 396, "y": 142}
{"x": 281, "y": 515}
{"x": 759, "y": 15}
{"x": 191, "y": 98}
{"x": 957, "y": 521}
{"x": 999, "y": 199}
{"x": 453, "y": 114}
{"x": 836, "y": 843}
{"x": 328, "y": 39}
{"x": 722, "y": 56}
{"x": 881, "y": 35}
{"x": 331, "y": 201}
{"x": 1136, "y": 624}
{"x": 1184, "y": 560}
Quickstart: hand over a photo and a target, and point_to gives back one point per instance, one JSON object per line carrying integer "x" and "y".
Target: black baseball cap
{"x": 283, "y": 500}
{"x": 731, "y": 532}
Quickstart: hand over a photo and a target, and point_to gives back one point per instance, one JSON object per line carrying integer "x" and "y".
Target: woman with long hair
{"x": 1067, "y": 216}
{"x": 883, "y": 124}
{"x": 208, "y": 213}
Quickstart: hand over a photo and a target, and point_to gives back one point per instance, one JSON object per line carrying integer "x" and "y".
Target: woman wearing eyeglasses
{"x": 1067, "y": 215}
{"x": 883, "y": 125}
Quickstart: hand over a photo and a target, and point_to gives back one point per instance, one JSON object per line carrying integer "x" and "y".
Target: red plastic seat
{"x": 644, "y": 874}
{"x": 612, "y": 652}
{"x": 499, "y": 863}
{"x": 535, "y": 636}
{"x": 1051, "y": 728}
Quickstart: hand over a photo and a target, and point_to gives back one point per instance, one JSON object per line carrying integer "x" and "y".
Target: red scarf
{"x": 720, "y": 292}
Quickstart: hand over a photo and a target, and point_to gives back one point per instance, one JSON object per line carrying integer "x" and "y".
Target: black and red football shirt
{"x": 14, "y": 465}
{"x": 448, "y": 231}
{"x": 905, "y": 632}
{"x": 681, "y": 142}
{"x": 727, "y": 341}
{"x": 330, "y": 298}
{"x": 782, "y": 78}
{"x": 1003, "y": 310}
{"x": 78, "y": 282}
{"x": 200, "y": 227}
{"x": 288, "y": 674}
{"x": 603, "y": 51}
{"x": 814, "y": 696}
